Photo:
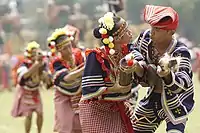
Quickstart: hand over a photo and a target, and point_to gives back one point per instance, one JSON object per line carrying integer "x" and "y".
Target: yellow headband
{"x": 63, "y": 43}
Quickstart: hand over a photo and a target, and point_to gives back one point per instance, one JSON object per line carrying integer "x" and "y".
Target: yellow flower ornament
{"x": 106, "y": 41}
{"x": 107, "y": 21}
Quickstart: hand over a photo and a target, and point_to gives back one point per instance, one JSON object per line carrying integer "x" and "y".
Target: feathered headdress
{"x": 52, "y": 40}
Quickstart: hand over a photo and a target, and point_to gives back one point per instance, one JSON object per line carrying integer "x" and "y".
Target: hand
{"x": 128, "y": 69}
{"x": 162, "y": 72}
{"x": 163, "y": 67}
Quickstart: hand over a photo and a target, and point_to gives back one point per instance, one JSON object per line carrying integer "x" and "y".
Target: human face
{"x": 66, "y": 49}
{"x": 34, "y": 54}
{"x": 160, "y": 36}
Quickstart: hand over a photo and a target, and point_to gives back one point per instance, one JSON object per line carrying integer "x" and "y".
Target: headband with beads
{"x": 52, "y": 40}
{"x": 28, "y": 50}
{"x": 105, "y": 30}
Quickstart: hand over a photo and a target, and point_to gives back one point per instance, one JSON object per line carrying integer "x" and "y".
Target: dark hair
{"x": 117, "y": 24}
{"x": 165, "y": 19}
{"x": 60, "y": 38}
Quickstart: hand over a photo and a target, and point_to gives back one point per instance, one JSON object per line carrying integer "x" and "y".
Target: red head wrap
{"x": 153, "y": 14}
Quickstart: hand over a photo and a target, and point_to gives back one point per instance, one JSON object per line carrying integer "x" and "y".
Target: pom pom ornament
{"x": 103, "y": 31}
{"x": 27, "y": 54}
{"x": 106, "y": 25}
{"x": 129, "y": 59}
{"x": 110, "y": 38}
{"x": 106, "y": 41}
{"x": 111, "y": 51}
{"x": 130, "y": 63}
{"x": 111, "y": 45}
{"x": 49, "y": 54}
{"x": 52, "y": 43}
{"x": 53, "y": 50}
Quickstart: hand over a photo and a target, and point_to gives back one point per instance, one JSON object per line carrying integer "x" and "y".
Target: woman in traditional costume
{"x": 67, "y": 68}
{"x": 105, "y": 87}
{"x": 29, "y": 76}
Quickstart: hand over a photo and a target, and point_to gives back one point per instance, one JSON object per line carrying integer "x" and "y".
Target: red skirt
{"x": 104, "y": 117}
{"x": 26, "y": 102}
{"x": 66, "y": 120}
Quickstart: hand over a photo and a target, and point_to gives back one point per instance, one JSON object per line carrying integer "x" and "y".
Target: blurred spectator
{"x": 118, "y": 7}
{"x": 16, "y": 61}
{"x": 11, "y": 26}
{"x": 196, "y": 64}
{"x": 79, "y": 20}
{"x": 5, "y": 72}
{"x": 57, "y": 13}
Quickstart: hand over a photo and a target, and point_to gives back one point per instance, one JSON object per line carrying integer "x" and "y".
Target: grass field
{"x": 11, "y": 125}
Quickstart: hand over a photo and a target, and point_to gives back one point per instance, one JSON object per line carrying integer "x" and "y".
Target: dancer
{"x": 67, "y": 70}
{"x": 29, "y": 76}
{"x": 167, "y": 72}
{"x": 104, "y": 86}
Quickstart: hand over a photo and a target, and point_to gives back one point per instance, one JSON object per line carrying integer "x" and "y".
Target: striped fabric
{"x": 148, "y": 117}
{"x": 28, "y": 83}
{"x": 93, "y": 84}
{"x": 153, "y": 14}
{"x": 178, "y": 95}
{"x": 66, "y": 87}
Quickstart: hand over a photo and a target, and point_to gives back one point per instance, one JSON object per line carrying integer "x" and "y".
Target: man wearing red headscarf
{"x": 167, "y": 73}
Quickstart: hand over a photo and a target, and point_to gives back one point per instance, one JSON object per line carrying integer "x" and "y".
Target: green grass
{"x": 12, "y": 125}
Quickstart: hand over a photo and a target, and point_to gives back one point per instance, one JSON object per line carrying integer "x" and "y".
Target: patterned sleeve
{"x": 93, "y": 84}
{"x": 20, "y": 73}
{"x": 67, "y": 87}
{"x": 182, "y": 79}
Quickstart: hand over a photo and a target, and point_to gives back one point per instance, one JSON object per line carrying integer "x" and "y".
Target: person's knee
{"x": 39, "y": 114}
{"x": 29, "y": 117}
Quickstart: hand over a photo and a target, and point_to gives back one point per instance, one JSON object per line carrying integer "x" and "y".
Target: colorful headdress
{"x": 106, "y": 31}
{"x": 29, "y": 50}
{"x": 52, "y": 40}
{"x": 153, "y": 14}
{"x": 30, "y": 46}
